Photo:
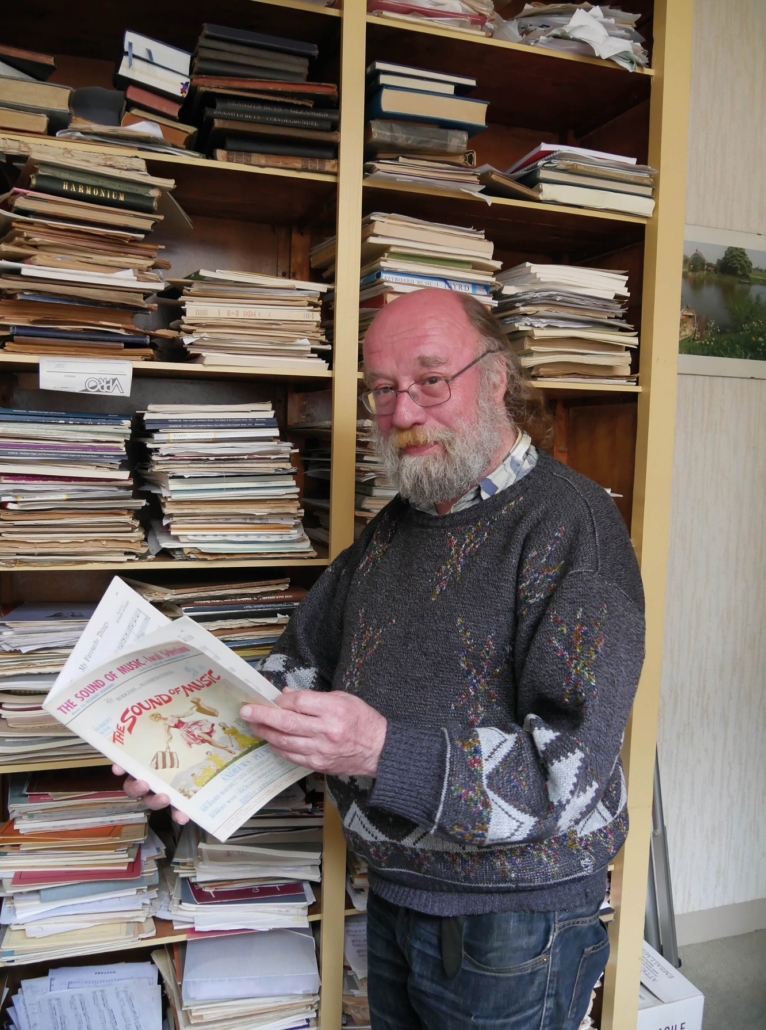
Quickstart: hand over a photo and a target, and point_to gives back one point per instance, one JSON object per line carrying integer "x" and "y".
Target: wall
{"x": 712, "y": 734}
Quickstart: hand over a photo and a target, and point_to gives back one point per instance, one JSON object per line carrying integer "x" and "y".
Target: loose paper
{"x": 81, "y": 375}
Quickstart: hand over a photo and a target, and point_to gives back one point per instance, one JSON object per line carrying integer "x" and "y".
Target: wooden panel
{"x": 712, "y": 744}
{"x": 601, "y": 443}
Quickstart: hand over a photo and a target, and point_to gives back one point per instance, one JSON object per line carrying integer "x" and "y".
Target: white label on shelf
{"x": 80, "y": 375}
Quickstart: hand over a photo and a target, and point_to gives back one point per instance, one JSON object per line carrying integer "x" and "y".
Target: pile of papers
{"x": 566, "y": 322}
{"x": 419, "y": 127}
{"x": 402, "y": 254}
{"x": 559, "y": 174}
{"x": 224, "y": 481}
{"x": 65, "y": 489}
{"x": 75, "y": 266}
{"x": 122, "y": 996}
{"x": 78, "y": 864}
{"x": 252, "y": 321}
{"x": 356, "y": 1007}
{"x": 466, "y": 15}
{"x": 357, "y": 881}
{"x": 260, "y": 878}
{"x": 35, "y": 641}
{"x": 266, "y": 980}
{"x": 248, "y": 617}
{"x": 587, "y": 29}
{"x": 373, "y": 489}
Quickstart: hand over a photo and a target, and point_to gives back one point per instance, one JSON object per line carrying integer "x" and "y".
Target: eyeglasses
{"x": 426, "y": 392}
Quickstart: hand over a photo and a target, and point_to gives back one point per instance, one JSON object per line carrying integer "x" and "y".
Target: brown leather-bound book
{"x": 233, "y": 127}
{"x": 297, "y": 164}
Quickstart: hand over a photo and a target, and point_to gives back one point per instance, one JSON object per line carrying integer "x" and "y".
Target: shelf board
{"x": 513, "y": 225}
{"x": 34, "y": 765}
{"x": 528, "y": 87}
{"x": 97, "y": 28}
{"x": 168, "y": 563}
{"x": 585, "y": 387}
{"x": 173, "y": 369}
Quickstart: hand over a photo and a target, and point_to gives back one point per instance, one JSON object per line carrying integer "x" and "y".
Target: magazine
{"x": 163, "y": 702}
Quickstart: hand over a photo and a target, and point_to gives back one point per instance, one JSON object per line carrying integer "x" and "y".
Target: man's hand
{"x": 334, "y": 733}
{"x": 140, "y": 790}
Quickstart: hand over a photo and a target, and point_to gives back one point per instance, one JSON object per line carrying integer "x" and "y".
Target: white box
{"x": 667, "y": 1001}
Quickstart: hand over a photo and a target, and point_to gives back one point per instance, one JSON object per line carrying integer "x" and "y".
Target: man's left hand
{"x": 334, "y": 732}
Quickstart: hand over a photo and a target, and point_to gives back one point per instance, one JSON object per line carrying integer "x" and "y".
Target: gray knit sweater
{"x": 503, "y": 644}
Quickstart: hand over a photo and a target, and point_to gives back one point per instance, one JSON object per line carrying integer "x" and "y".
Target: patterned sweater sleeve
{"x": 578, "y": 655}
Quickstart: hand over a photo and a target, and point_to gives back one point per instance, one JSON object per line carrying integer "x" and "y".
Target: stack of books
{"x": 561, "y": 174}
{"x": 224, "y": 481}
{"x": 254, "y": 105}
{"x": 78, "y": 864}
{"x": 35, "y": 642}
{"x": 267, "y": 980}
{"x": 357, "y": 881}
{"x": 65, "y": 489}
{"x": 100, "y": 995}
{"x": 373, "y": 489}
{"x": 155, "y": 77}
{"x": 476, "y": 16}
{"x": 78, "y": 267}
{"x": 248, "y": 617}
{"x": 402, "y": 254}
{"x": 252, "y": 321}
{"x": 420, "y": 125}
{"x": 566, "y": 322}
{"x": 27, "y": 102}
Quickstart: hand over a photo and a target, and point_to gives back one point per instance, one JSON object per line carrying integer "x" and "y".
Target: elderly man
{"x": 470, "y": 662}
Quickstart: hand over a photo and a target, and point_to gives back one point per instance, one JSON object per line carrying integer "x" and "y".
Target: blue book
{"x": 418, "y": 106}
{"x": 424, "y": 281}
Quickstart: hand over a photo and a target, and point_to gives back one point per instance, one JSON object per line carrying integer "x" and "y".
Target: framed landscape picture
{"x": 723, "y": 294}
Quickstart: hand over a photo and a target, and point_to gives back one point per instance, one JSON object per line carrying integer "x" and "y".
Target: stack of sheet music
{"x": 121, "y": 995}
{"x": 224, "y": 481}
{"x": 259, "y": 879}
{"x": 79, "y": 866}
{"x": 356, "y": 1008}
{"x": 35, "y": 642}
{"x": 65, "y": 489}
{"x": 252, "y": 321}
{"x": 75, "y": 266}
{"x": 559, "y": 174}
{"x": 267, "y": 980}
{"x": 373, "y": 488}
{"x": 253, "y": 103}
{"x": 248, "y": 617}
{"x": 419, "y": 127}
{"x": 566, "y": 322}
{"x": 467, "y": 15}
{"x": 402, "y": 254}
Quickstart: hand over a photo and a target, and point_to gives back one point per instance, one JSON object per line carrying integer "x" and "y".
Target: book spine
{"x": 271, "y": 118}
{"x": 106, "y": 195}
{"x": 298, "y": 164}
{"x": 257, "y": 314}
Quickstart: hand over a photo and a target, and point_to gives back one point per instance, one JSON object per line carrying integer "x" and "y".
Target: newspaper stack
{"x": 252, "y": 321}
{"x": 224, "y": 481}
{"x": 248, "y": 617}
{"x": 373, "y": 489}
{"x": 584, "y": 29}
{"x": 78, "y": 864}
{"x": 121, "y": 995}
{"x": 476, "y": 16}
{"x": 35, "y": 641}
{"x": 77, "y": 267}
{"x": 67, "y": 493}
{"x": 566, "y": 322}
{"x": 402, "y": 254}
{"x": 267, "y": 980}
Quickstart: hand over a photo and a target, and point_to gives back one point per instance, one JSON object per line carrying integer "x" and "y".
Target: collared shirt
{"x": 520, "y": 460}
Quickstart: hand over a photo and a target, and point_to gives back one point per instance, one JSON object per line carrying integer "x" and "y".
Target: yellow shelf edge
{"x": 182, "y": 368}
{"x": 56, "y": 763}
{"x": 470, "y": 37}
{"x": 178, "y": 563}
{"x": 585, "y": 387}
{"x": 531, "y": 205}
{"x": 302, "y": 5}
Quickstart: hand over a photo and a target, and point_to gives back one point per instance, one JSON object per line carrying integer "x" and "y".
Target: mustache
{"x": 418, "y": 436}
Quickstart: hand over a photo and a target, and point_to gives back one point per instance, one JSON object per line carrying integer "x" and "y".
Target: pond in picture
{"x": 723, "y": 301}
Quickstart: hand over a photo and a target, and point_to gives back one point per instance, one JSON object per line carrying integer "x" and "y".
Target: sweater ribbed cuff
{"x": 411, "y": 773}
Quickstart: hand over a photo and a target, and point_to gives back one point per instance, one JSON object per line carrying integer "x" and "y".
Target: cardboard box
{"x": 667, "y": 1001}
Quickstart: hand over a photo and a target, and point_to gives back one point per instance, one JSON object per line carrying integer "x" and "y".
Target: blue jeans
{"x": 508, "y": 970}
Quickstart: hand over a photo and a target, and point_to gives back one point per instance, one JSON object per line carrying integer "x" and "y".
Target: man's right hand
{"x": 141, "y": 791}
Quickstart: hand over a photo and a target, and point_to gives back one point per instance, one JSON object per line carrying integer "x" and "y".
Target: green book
{"x": 75, "y": 187}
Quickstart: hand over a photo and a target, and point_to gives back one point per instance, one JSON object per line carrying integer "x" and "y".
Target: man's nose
{"x": 407, "y": 413}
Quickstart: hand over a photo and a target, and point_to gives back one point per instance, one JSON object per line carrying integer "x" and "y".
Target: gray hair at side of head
{"x": 524, "y": 404}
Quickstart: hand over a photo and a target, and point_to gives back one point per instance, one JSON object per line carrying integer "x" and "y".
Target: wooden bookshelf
{"x": 265, "y": 220}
